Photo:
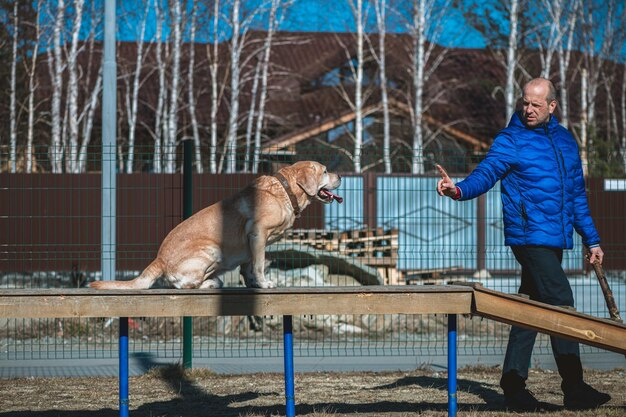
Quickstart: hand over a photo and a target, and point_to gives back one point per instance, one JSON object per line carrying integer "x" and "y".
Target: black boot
{"x": 576, "y": 393}
{"x": 582, "y": 396}
{"x": 516, "y": 396}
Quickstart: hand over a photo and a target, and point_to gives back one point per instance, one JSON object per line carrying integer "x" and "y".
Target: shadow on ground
{"x": 194, "y": 400}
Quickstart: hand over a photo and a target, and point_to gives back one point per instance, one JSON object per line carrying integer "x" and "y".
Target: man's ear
{"x": 552, "y": 106}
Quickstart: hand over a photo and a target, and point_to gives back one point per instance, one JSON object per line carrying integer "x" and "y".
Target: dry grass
{"x": 172, "y": 392}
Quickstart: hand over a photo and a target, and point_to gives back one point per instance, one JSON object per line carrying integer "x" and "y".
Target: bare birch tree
{"x": 132, "y": 94}
{"x": 235, "y": 58}
{"x": 239, "y": 26}
{"x": 549, "y": 35}
{"x": 564, "y": 52}
{"x": 13, "y": 92}
{"x": 381, "y": 13}
{"x": 252, "y": 113}
{"x": 162, "y": 93}
{"x": 358, "y": 85}
{"x": 274, "y": 22}
{"x": 427, "y": 24}
{"x": 71, "y": 157}
{"x": 584, "y": 114}
{"x": 190, "y": 89}
{"x": 32, "y": 87}
{"x": 92, "y": 95}
{"x": 56, "y": 66}
{"x": 611, "y": 37}
{"x": 213, "y": 55}
{"x": 511, "y": 60}
{"x": 169, "y": 147}
{"x": 355, "y": 63}
{"x": 623, "y": 111}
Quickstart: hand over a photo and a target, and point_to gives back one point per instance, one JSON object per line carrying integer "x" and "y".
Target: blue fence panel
{"x": 349, "y": 214}
{"x": 434, "y": 232}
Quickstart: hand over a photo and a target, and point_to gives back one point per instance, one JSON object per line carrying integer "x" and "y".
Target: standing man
{"x": 543, "y": 201}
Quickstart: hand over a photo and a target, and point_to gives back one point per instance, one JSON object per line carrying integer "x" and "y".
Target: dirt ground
{"x": 170, "y": 392}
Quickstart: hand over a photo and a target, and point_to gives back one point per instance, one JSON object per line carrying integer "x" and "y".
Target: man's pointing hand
{"x": 445, "y": 186}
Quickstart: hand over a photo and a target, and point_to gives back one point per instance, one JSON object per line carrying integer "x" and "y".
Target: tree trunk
{"x": 564, "y": 54}
{"x": 134, "y": 91}
{"x": 71, "y": 159}
{"x": 358, "y": 93}
{"x": 231, "y": 140}
{"x": 511, "y": 61}
{"x": 172, "y": 125}
{"x": 417, "y": 163}
{"x": 251, "y": 115}
{"x": 162, "y": 97}
{"x": 584, "y": 109}
{"x": 214, "y": 90}
{"x": 13, "y": 105}
{"x": 57, "y": 87}
{"x": 381, "y": 9}
{"x": 274, "y": 23}
{"x": 32, "y": 87}
{"x": 623, "y": 108}
{"x": 190, "y": 85}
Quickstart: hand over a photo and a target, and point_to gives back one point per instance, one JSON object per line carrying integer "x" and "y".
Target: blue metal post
{"x": 452, "y": 400}
{"x": 290, "y": 400}
{"x": 123, "y": 354}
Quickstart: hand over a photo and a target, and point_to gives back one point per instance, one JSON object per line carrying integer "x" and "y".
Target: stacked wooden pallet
{"x": 318, "y": 238}
{"x": 375, "y": 247}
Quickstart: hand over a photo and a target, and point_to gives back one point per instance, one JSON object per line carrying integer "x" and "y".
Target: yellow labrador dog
{"x": 235, "y": 231}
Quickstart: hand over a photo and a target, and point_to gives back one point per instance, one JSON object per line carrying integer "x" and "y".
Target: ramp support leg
{"x": 290, "y": 401}
{"x": 123, "y": 355}
{"x": 452, "y": 366}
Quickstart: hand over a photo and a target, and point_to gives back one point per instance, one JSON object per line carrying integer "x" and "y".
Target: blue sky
{"x": 319, "y": 16}
{"x": 309, "y": 16}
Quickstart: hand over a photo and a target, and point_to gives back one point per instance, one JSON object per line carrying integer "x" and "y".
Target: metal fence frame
{"x": 434, "y": 233}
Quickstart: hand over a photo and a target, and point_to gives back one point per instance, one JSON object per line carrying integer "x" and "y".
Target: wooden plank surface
{"x": 430, "y": 299}
{"x": 507, "y": 308}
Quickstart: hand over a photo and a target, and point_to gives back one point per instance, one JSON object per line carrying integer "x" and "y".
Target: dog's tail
{"x": 143, "y": 281}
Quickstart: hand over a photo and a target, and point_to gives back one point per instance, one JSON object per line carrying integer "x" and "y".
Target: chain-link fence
{"x": 392, "y": 229}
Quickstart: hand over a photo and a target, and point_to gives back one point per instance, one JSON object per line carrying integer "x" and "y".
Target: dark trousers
{"x": 544, "y": 280}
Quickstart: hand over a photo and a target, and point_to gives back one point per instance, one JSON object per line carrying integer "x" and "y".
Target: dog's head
{"x": 313, "y": 178}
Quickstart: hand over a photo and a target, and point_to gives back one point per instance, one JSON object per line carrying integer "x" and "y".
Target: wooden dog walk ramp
{"x": 558, "y": 321}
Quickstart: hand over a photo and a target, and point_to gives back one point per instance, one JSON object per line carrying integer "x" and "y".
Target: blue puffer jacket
{"x": 543, "y": 189}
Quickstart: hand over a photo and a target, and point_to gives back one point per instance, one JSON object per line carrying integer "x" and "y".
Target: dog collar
{"x": 294, "y": 202}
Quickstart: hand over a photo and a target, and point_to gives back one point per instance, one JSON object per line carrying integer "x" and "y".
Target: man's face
{"x": 535, "y": 107}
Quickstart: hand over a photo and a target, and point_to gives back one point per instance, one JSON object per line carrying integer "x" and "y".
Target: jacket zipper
{"x": 561, "y": 166}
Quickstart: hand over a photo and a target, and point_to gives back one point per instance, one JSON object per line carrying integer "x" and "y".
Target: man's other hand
{"x": 596, "y": 255}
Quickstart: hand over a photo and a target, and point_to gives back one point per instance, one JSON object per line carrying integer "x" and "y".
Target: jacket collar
{"x": 516, "y": 121}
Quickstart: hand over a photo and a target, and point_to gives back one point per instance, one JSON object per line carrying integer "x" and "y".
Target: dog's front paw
{"x": 266, "y": 284}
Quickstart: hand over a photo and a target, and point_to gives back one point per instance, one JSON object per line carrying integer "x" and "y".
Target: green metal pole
{"x": 187, "y": 211}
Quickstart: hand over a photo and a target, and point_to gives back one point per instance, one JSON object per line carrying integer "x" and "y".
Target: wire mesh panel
{"x": 391, "y": 229}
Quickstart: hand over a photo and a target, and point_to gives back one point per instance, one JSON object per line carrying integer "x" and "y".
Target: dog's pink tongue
{"x": 333, "y": 196}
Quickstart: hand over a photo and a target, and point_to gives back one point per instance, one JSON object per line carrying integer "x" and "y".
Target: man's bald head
{"x": 538, "y": 102}
{"x": 543, "y": 85}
